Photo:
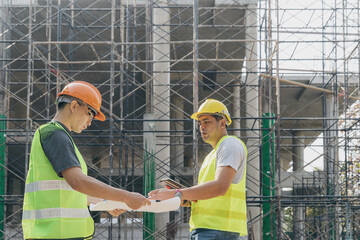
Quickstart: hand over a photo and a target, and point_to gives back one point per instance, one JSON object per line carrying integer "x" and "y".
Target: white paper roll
{"x": 156, "y": 207}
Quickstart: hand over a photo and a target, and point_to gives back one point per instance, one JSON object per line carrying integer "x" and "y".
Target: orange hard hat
{"x": 87, "y": 93}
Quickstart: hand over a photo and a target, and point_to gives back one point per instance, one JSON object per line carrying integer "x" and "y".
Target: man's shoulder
{"x": 231, "y": 144}
{"x": 50, "y": 130}
{"x": 231, "y": 152}
{"x": 231, "y": 141}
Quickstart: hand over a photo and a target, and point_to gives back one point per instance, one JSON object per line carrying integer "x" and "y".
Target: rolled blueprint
{"x": 156, "y": 206}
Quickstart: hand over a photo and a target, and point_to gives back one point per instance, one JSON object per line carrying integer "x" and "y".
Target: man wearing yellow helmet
{"x": 57, "y": 186}
{"x": 220, "y": 209}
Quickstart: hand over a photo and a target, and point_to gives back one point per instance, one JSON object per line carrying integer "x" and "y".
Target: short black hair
{"x": 61, "y": 105}
{"x": 217, "y": 117}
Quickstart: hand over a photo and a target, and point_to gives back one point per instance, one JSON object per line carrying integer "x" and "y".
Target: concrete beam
{"x": 289, "y": 178}
{"x": 191, "y": 2}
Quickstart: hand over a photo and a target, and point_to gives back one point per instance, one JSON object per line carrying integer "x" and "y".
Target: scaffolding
{"x": 288, "y": 72}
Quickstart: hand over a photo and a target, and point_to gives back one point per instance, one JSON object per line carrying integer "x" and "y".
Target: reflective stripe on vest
{"x": 55, "y": 213}
{"x": 48, "y": 185}
{"x": 52, "y": 209}
{"x": 225, "y": 213}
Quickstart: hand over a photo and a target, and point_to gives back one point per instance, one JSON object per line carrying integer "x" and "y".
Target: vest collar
{"x": 221, "y": 139}
{"x": 62, "y": 125}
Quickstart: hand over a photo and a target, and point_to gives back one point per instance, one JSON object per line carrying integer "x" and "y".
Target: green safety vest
{"x": 224, "y": 213}
{"x": 52, "y": 209}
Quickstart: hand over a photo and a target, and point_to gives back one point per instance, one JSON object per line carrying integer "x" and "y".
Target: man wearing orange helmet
{"x": 57, "y": 185}
{"x": 220, "y": 209}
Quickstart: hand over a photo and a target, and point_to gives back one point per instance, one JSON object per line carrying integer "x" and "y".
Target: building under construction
{"x": 287, "y": 70}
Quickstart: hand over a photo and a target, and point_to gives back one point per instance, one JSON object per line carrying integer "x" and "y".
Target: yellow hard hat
{"x": 213, "y": 107}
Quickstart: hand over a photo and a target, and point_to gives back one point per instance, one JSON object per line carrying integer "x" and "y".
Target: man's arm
{"x": 95, "y": 188}
{"x": 211, "y": 189}
{"x": 95, "y": 200}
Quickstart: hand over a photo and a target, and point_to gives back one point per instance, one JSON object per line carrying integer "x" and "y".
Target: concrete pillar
{"x": 252, "y": 95}
{"x": 177, "y": 148}
{"x": 161, "y": 88}
{"x": 331, "y": 163}
{"x": 235, "y": 113}
{"x": 298, "y": 165}
{"x": 298, "y": 151}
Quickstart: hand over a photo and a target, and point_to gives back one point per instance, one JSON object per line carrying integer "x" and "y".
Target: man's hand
{"x": 161, "y": 194}
{"x": 207, "y": 190}
{"x": 136, "y": 200}
{"x": 116, "y": 212}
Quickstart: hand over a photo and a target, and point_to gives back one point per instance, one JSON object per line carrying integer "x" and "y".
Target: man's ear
{"x": 73, "y": 106}
{"x": 223, "y": 123}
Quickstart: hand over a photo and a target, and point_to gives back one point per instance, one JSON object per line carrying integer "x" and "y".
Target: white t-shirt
{"x": 231, "y": 152}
